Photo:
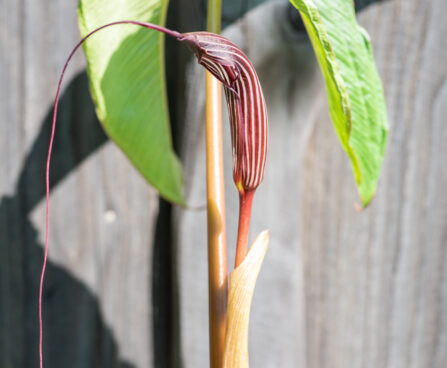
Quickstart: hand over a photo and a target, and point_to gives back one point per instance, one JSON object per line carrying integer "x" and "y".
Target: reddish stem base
{"x": 245, "y": 205}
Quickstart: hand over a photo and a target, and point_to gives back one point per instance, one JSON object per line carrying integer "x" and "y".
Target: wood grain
{"x": 338, "y": 288}
{"x": 97, "y": 297}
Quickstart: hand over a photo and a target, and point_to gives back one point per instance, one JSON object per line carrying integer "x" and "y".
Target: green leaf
{"x": 127, "y": 82}
{"x": 356, "y": 101}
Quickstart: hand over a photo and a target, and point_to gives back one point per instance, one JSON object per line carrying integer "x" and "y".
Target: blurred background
{"x": 126, "y": 282}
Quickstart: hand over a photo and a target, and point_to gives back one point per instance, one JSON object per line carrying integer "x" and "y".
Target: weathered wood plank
{"x": 381, "y": 295}
{"x": 97, "y": 298}
{"x": 363, "y": 289}
{"x": 338, "y": 288}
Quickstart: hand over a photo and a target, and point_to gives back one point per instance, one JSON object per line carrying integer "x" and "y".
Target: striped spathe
{"x": 245, "y": 100}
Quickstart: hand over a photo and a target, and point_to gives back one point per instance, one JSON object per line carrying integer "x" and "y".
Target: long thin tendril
{"x": 50, "y": 149}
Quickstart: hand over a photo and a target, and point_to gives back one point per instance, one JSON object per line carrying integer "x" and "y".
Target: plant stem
{"x": 245, "y": 205}
{"x": 214, "y": 16}
{"x": 217, "y": 242}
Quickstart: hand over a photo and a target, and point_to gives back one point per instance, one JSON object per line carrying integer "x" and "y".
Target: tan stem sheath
{"x": 242, "y": 285}
{"x": 217, "y": 242}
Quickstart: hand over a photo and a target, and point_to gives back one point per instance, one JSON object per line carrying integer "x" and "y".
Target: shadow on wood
{"x": 74, "y": 332}
{"x": 361, "y": 4}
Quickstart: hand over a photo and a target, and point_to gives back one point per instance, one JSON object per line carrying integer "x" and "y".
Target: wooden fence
{"x": 126, "y": 283}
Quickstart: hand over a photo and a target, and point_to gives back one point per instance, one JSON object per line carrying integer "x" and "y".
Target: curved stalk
{"x": 50, "y": 149}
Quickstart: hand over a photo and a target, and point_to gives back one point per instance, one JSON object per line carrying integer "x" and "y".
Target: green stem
{"x": 214, "y": 16}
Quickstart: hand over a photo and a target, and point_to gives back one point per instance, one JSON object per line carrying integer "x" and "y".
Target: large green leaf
{"x": 126, "y": 73}
{"x": 356, "y": 101}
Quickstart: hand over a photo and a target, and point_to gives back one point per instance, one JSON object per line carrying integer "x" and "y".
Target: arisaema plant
{"x": 123, "y": 43}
